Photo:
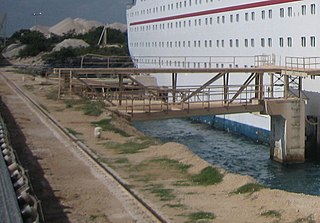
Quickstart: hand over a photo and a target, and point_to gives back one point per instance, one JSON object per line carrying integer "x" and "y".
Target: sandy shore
{"x": 152, "y": 170}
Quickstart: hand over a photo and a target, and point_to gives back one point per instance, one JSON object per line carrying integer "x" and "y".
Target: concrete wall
{"x": 287, "y": 143}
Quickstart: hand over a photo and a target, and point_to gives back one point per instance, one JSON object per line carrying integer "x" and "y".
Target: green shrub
{"x": 208, "y": 176}
{"x": 249, "y": 188}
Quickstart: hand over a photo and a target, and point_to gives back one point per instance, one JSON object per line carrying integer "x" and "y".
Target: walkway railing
{"x": 302, "y": 62}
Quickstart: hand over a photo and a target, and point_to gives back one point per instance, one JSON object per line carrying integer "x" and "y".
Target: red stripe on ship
{"x": 214, "y": 11}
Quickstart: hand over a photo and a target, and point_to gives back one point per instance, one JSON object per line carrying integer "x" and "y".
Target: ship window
{"x": 246, "y": 16}
{"x": 189, "y": 2}
{"x": 189, "y": 43}
{"x": 218, "y": 19}
{"x": 231, "y": 18}
{"x": 237, "y": 17}
{"x": 303, "y": 41}
{"x": 304, "y": 9}
{"x": 281, "y": 12}
{"x": 210, "y": 43}
{"x": 205, "y": 43}
{"x": 195, "y": 43}
{"x": 313, "y": 41}
{"x": 252, "y": 42}
{"x": 289, "y": 11}
{"x": 270, "y": 13}
{"x": 313, "y": 9}
{"x": 269, "y": 42}
{"x": 199, "y": 22}
{"x": 237, "y": 42}
{"x": 199, "y": 43}
{"x": 206, "y": 21}
{"x": 195, "y": 22}
{"x": 223, "y": 19}
{"x": 263, "y": 14}
{"x": 185, "y": 3}
{"x": 230, "y": 43}
{"x": 246, "y": 43}
{"x": 281, "y": 42}
{"x": 222, "y": 43}
{"x": 289, "y": 39}
{"x": 218, "y": 43}
{"x": 262, "y": 42}
{"x": 253, "y": 16}
{"x": 210, "y": 20}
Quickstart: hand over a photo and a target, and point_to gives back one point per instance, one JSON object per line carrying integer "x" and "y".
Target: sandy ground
{"x": 70, "y": 193}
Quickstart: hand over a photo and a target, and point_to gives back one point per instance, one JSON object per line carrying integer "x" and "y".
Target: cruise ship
{"x": 224, "y": 33}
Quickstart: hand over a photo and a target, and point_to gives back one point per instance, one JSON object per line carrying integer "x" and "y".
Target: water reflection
{"x": 236, "y": 154}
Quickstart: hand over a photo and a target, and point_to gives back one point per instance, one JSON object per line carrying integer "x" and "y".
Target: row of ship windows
{"x": 171, "y": 6}
{"x": 303, "y": 10}
{"x": 221, "y": 19}
{"x": 264, "y": 42}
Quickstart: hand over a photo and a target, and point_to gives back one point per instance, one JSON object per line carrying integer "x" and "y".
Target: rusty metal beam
{"x": 246, "y": 83}
{"x": 215, "y": 78}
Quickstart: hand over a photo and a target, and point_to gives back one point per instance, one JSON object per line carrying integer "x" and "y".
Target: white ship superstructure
{"x": 223, "y": 33}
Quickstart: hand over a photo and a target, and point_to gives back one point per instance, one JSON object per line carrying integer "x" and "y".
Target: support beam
{"x": 287, "y": 130}
{"x": 204, "y": 86}
{"x": 120, "y": 88}
{"x": 225, "y": 87}
{"x": 174, "y": 86}
{"x": 244, "y": 86}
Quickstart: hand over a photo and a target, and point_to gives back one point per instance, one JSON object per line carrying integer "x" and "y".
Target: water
{"x": 236, "y": 154}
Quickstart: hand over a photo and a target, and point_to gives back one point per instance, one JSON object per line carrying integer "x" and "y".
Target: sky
{"x": 20, "y": 12}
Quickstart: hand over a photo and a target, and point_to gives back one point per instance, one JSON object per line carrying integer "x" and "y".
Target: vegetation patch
{"x": 163, "y": 193}
{"x": 207, "y": 176}
{"x": 93, "y": 108}
{"x": 52, "y": 95}
{"x": 172, "y": 164}
{"x": 249, "y": 188}
{"x": 130, "y": 147}
{"x": 106, "y": 125}
{"x": 201, "y": 215}
{"x": 271, "y": 213}
{"x": 73, "y": 132}
{"x": 179, "y": 206}
{"x": 122, "y": 161}
{"x": 29, "y": 87}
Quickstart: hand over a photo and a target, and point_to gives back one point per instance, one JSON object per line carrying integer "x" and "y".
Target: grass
{"x": 172, "y": 164}
{"x": 208, "y": 176}
{"x": 128, "y": 147}
{"x": 163, "y": 193}
{"x": 271, "y": 213}
{"x": 201, "y": 215}
{"x": 73, "y": 132}
{"x": 91, "y": 108}
{"x": 180, "y": 206}
{"x": 106, "y": 125}
{"x": 121, "y": 161}
{"x": 131, "y": 147}
{"x": 249, "y": 188}
{"x": 52, "y": 95}
{"x": 29, "y": 87}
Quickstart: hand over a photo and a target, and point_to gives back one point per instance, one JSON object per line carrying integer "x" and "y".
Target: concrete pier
{"x": 287, "y": 143}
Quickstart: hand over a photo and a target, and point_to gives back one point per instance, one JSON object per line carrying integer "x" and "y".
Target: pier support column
{"x": 287, "y": 144}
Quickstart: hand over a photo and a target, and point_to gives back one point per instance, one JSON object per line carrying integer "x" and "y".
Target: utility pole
{"x": 103, "y": 37}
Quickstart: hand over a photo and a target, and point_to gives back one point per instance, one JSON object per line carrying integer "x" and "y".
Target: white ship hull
{"x": 214, "y": 33}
